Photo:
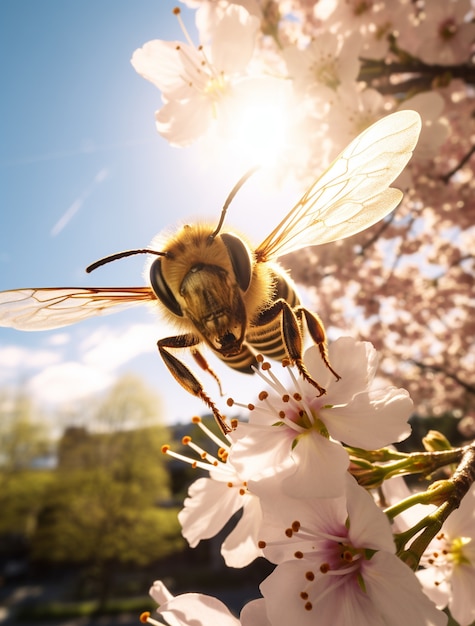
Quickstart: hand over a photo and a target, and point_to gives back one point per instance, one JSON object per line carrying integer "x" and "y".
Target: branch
{"x": 439, "y": 369}
{"x": 446, "y": 177}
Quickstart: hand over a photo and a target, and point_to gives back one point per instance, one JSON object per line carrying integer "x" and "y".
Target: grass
{"x": 64, "y": 610}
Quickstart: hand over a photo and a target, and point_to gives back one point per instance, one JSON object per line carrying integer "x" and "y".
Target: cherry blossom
{"x": 336, "y": 563}
{"x": 297, "y": 432}
{"x": 444, "y": 34}
{"x": 212, "y": 501}
{"x": 188, "y": 609}
{"x": 406, "y": 285}
{"x": 449, "y": 575}
{"x": 195, "y": 82}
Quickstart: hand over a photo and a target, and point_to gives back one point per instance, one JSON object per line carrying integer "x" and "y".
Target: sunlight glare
{"x": 260, "y": 124}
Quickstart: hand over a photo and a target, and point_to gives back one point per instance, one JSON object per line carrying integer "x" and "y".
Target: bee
{"x": 236, "y": 299}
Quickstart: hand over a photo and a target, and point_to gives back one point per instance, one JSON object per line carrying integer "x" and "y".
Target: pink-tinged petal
{"x": 233, "y": 40}
{"x": 206, "y": 511}
{"x": 321, "y": 516}
{"x": 369, "y": 527}
{"x": 435, "y": 588}
{"x": 160, "y": 593}
{"x": 394, "y": 589}
{"x": 254, "y": 614}
{"x": 261, "y": 448}
{"x": 331, "y": 600}
{"x": 371, "y": 420}
{"x": 198, "y": 610}
{"x": 320, "y": 470}
{"x": 462, "y": 602}
{"x": 183, "y": 122}
{"x": 355, "y": 361}
{"x": 240, "y": 547}
{"x": 161, "y": 63}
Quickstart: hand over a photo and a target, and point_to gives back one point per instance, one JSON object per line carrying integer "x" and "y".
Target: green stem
{"x": 448, "y": 494}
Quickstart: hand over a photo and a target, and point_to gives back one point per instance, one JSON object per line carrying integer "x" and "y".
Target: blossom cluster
{"x": 290, "y": 469}
{"x": 288, "y": 83}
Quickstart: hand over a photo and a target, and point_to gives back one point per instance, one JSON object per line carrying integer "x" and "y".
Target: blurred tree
{"x": 24, "y": 442}
{"x": 109, "y": 504}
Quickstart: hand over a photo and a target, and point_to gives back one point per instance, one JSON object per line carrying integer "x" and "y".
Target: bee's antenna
{"x": 121, "y": 255}
{"x": 230, "y": 198}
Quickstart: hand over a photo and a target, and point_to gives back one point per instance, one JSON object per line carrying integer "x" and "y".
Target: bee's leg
{"x": 203, "y": 363}
{"x": 291, "y": 335}
{"x": 317, "y": 333}
{"x": 183, "y": 374}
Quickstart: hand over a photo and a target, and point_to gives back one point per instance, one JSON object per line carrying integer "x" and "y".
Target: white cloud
{"x": 109, "y": 348}
{"x": 14, "y": 358}
{"x": 68, "y": 382}
{"x": 59, "y": 339}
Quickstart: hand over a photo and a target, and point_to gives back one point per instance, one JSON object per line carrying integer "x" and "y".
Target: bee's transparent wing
{"x": 43, "y": 309}
{"x": 353, "y": 193}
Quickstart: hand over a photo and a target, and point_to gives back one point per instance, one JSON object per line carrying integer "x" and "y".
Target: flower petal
{"x": 320, "y": 470}
{"x": 206, "y": 511}
{"x": 233, "y": 40}
{"x": 161, "y": 63}
{"x": 240, "y": 547}
{"x": 196, "y": 609}
{"x": 369, "y": 527}
{"x": 372, "y": 419}
{"x": 394, "y": 589}
{"x": 182, "y": 122}
{"x": 254, "y": 614}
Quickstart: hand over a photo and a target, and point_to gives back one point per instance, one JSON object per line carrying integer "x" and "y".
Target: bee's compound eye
{"x": 240, "y": 259}
{"x": 161, "y": 288}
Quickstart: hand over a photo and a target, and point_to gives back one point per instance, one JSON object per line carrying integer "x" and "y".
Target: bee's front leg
{"x": 184, "y": 375}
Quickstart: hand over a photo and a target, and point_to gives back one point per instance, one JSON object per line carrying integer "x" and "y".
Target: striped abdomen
{"x": 265, "y": 339}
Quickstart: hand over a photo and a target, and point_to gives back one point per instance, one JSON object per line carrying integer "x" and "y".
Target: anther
{"x": 296, "y": 526}
{"x": 261, "y": 544}
{"x": 308, "y": 606}
{"x": 165, "y": 448}
{"x": 324, "y": 568}
{"x": 185, "y": 440}
{"x": 310, "y": 576}
{"x": 263, "y": 395}
{"x": 298, "y": 554}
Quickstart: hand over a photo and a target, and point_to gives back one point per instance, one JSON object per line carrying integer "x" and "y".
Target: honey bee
{"x": 221, "y": 292}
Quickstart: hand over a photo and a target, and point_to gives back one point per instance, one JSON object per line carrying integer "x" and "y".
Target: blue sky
{"x": 84, "y": 174}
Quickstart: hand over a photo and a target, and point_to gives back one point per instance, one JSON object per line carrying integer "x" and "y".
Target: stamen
{"x": 146, "y": 619}
{"x": 205, "y": 456}
{"x": 193, "y": 462}
{"x": 232, "y": 402}
{"x": 217, "y": 440}
{"x": 177, "y": 13}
